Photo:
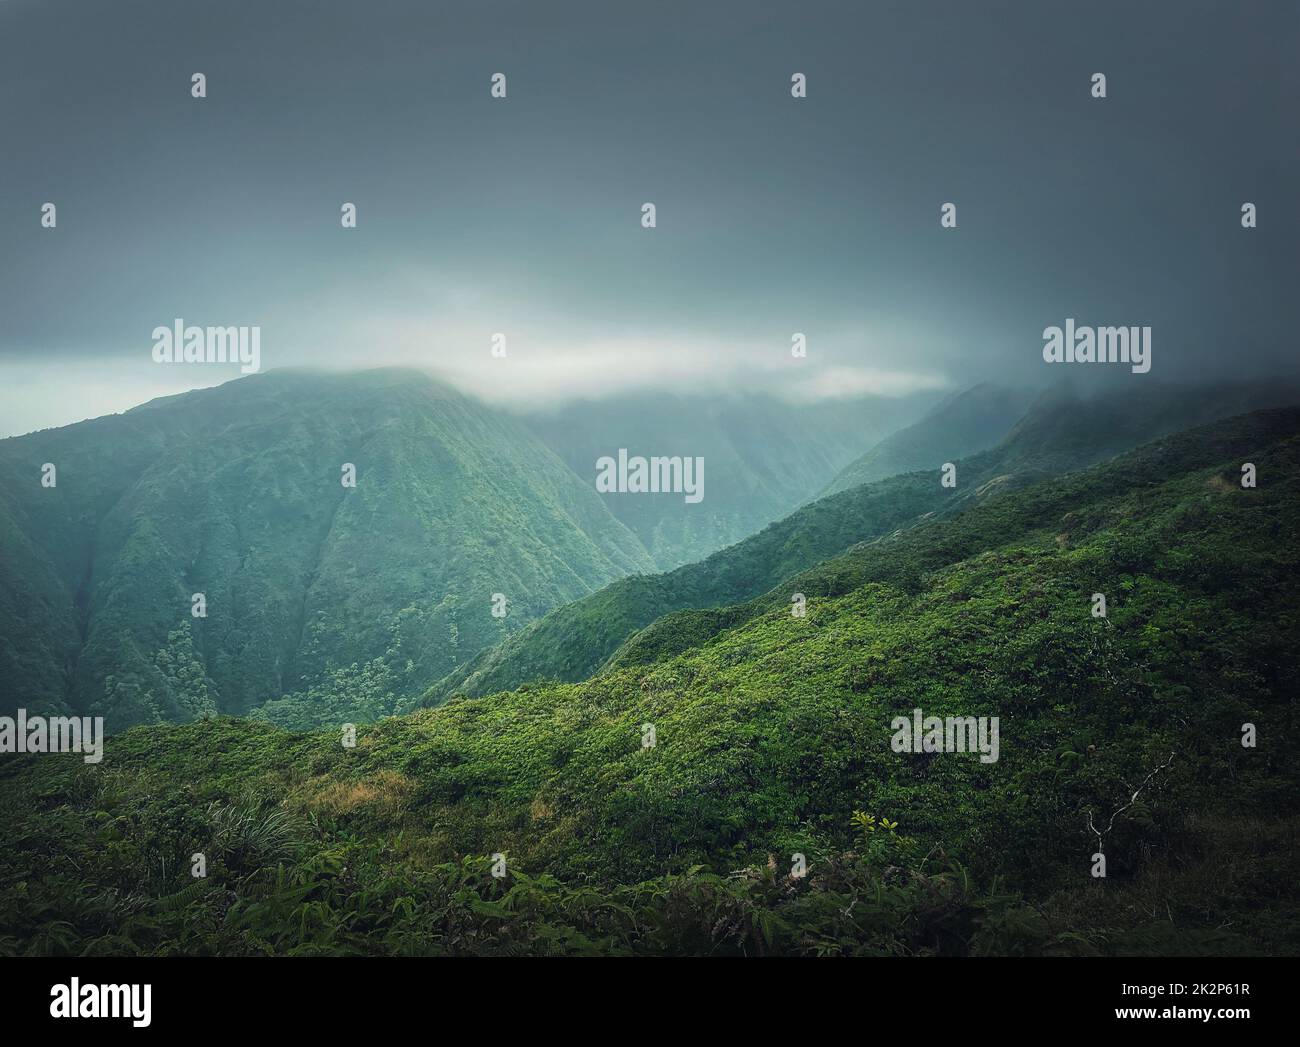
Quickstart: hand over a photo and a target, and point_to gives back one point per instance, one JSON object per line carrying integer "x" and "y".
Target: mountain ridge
{"x": 772, "y": 739}
{"x": 973, "y": 419}
{"x": 764, "y": 457}
{"x": 1063, "y": 430}
{"x": 236, "y": 492}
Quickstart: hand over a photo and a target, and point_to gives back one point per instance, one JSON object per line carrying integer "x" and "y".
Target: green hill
{"x": 338, "y": 598}
{"x": 1062, "y": 431}
{"x": 965, "y": 424}
{"x": 763, "y": 457}
{"x": 772, "y": 738}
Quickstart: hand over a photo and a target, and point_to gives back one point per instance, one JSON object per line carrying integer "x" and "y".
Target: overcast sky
{"x": 775, "y": 215}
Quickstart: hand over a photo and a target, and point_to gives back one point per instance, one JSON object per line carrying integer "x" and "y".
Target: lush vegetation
{"x": 236, "y": 493}
{"x": 771, "y": 739}
{"x": 966, "y": 423}
{"x": 763, "y": 457}
{"x": 1061, "y": 433}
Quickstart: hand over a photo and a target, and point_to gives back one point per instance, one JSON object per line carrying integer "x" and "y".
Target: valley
{"x": 773, "y": 738}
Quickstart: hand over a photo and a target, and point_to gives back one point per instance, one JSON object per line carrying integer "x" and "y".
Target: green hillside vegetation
{"x": 310, "y": 587}
{"x": 1063, "y": 431}
{"x": 973, "y": 420}
{"x": 763, "y": 457}
{"x": 905, "y": 557}
{"x": 772, "y": 738}
{"x": 572, "y": 642}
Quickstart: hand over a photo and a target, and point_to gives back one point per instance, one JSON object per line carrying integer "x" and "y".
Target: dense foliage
{"x": 972, "y": 421}
{"x": 1062, "y": 432}
{"x": 771, "y": 739}
{"x": 763, "y": 457}
{"x": 236, "y": 493}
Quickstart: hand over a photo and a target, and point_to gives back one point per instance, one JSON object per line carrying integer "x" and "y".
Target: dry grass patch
{"x": 387, "y": 791}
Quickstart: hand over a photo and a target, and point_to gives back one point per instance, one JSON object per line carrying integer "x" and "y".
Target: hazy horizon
{"x": 918, "y": 402}
{"x": 521, "y": 215}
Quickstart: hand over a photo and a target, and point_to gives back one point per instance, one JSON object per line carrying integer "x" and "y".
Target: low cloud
{"x": 555, "y": 352}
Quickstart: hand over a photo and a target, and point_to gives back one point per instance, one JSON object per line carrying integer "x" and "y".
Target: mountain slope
{"x": 235, "y": 492}
{"x": 767, "y": 741}
{"x": 763, "y": 457}
{"x": 970, "y": 421}
{"x": 905, "y": 559}
{"x": 1062, "y": 431}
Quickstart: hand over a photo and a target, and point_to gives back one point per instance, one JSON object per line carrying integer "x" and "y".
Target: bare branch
{"x": 1100, "y": 833}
